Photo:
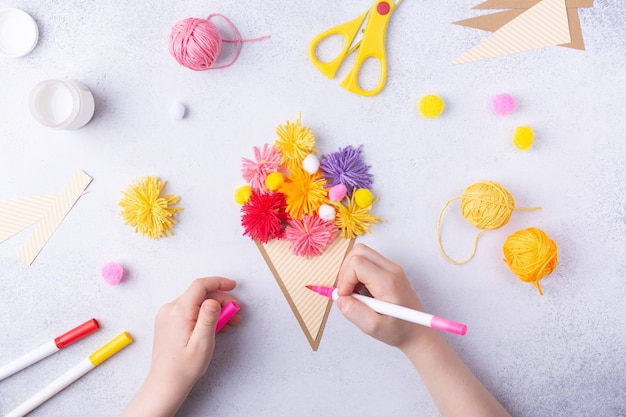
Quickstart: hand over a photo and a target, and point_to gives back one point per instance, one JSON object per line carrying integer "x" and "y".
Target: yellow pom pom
{"x": 431, "y": 106}
{"x": 523, "y": 137}
{"x": 363, "y": 197}
{"x": 531, "y": 255}
{"x": 242, "y": 194}
{"x": 274, "y": 181}
{"x": 146, "y": 210}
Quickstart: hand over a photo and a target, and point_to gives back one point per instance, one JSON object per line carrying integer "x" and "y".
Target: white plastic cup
{"x": 62, "y": 104}
{"x": 18, "y": 33}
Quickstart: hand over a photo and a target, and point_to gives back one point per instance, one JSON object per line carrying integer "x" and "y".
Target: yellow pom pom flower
{"x": 304, "y": 193}
{"x": 353, "y": 220}
{"x": 146, "y": 210}
{"x": 294, "y": 143}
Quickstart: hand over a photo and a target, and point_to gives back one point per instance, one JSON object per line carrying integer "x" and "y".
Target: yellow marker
{"x": 105, "y": 352}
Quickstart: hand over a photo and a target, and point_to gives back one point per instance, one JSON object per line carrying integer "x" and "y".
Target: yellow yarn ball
{"x": 487, "y": 205}
{"x": 363, "y": 197}
{"x": 242, "y": 194}
{"x": 531, "y": 255}
{"x": 274, "y": 181}
{"x": 523, "y": 138}
{"x": 431, "y": 106}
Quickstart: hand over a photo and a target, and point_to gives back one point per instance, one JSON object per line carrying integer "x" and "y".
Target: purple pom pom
{"x": 346, "y": 167}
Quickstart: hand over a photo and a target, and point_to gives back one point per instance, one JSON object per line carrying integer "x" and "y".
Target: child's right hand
{"x": 386, "y": 281}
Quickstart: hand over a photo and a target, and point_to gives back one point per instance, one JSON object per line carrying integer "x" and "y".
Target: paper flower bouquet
{"x": 304, "y": 211}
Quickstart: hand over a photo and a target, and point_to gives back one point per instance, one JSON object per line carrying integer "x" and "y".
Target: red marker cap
{"x": 77, "y": 333}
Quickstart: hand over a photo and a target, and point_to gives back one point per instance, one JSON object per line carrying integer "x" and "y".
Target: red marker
{"x": 49, "y": 348}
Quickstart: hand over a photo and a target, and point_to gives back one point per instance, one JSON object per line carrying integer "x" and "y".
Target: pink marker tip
{"x": 450, "y": 326}
{"x": 321, "y": 290}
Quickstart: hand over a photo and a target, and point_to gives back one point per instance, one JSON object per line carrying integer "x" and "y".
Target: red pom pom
{"x": 263, "y": 216}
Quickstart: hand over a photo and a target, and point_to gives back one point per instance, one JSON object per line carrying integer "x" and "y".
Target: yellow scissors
{"x": 366, "y": 34}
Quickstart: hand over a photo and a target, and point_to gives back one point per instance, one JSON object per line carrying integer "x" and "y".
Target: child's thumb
{"x": 204, "y": 331}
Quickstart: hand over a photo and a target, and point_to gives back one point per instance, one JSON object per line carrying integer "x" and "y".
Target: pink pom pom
{"x": 337, "y": 192}
{"x": 503, "y": 104}
{"x": 112, "y": 273}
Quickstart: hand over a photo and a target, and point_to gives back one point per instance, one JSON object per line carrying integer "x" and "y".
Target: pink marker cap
{"x": 227, "y": 313}
{"x": 446, "y": 325}
{"x": 77, "y": 333}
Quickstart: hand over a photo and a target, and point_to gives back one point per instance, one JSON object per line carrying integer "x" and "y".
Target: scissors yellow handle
{"x": 371, "y": 45}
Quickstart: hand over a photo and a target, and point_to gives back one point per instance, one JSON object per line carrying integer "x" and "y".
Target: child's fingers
{"x": 360, "y": 269}
{"x": 200, "y": 289}
{"x": 374, "y": 257}
{"x": 361, "y": 315}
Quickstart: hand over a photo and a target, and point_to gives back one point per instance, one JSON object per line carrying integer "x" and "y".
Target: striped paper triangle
{"x": 293, "y": 273}
{"x": 19, "y": 213}
{"x": 544, "y": 24}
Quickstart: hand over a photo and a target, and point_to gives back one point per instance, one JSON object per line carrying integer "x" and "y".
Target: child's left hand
{"x": 184, "y": 340}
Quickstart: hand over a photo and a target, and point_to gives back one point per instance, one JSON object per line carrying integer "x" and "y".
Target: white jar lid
{"x": 18, "y": 33}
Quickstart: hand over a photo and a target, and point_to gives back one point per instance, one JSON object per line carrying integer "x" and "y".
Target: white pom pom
{"x": 327, "y": 212}
{"x": 311, "y": 164}
{"x": 177, "y": 110}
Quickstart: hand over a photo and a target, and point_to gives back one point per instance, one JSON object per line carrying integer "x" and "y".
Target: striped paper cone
{"x": 51, "y": 219}
{"x": 544, "y": 24}
{"x": 293, "y": 273}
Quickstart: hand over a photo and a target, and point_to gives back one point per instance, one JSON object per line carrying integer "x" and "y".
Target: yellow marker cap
{"x": 111, "y": 348}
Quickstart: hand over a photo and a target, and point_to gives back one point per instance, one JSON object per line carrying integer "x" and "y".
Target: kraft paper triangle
{"x": 531, "y": 24}
{"x": 48, "y": 211}
{"x": 293, "y": 273}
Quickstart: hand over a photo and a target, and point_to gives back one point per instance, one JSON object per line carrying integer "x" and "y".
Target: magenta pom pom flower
{"x": 348, "y": 168}
{"x": 309, "y": 236}
{"x": 266, "y": 161}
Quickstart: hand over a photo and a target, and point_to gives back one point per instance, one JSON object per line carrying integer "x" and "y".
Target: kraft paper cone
{"x": 544, "y": 24}
{"x": 293, "y": 273}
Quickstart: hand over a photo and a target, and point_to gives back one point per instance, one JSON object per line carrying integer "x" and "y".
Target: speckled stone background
{"x": 563, "y": 354}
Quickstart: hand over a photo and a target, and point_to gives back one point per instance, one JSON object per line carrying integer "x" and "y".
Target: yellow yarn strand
{"x": 144, "y": 209}
{"x": 353, "y": 220}
{"x": 294, "y": 143}
{"x": 531, "y": 255}
{"x": 486, "y": 205}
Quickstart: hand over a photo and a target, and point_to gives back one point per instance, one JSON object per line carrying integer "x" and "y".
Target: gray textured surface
{"x": 563, "y": 354}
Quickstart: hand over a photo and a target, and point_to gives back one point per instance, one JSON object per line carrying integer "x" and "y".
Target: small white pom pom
{"x": 177, "y": 110}
{"x": 327, "y": 212}
{"x": 311, "y": 164}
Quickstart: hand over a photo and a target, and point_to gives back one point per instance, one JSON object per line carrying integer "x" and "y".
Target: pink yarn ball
{"x": 503, "y": 104}
{"x": 195, "y": 43}
{"x": 337, "y": 192}
{"x": 112, "y": 273}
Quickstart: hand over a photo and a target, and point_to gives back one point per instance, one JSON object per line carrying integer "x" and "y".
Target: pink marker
{"x": 49, "y": 348}
{"x": 227, "y": 313}
{"x": 399, "y": 312}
